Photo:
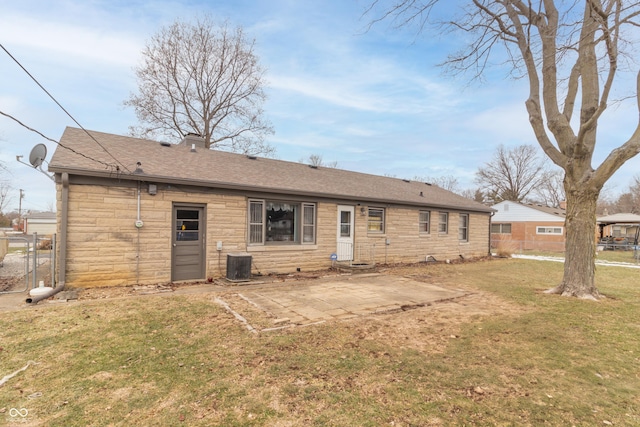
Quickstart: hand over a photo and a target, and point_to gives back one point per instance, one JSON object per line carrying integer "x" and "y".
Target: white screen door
{"x": 345, "y": 233}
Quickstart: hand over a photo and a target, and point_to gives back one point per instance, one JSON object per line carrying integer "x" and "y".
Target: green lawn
{"x": 507, "y": 355}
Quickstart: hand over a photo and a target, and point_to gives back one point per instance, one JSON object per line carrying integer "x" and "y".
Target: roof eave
{"x": 142, "y": 177}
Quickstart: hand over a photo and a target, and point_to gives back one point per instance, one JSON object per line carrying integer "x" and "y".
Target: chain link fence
{"x": 26, "y": 262}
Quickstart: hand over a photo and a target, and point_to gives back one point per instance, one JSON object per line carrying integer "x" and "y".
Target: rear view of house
{"x": 138, "y": 211}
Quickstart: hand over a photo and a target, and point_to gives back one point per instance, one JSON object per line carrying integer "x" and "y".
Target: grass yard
{"x": 532, "y": 359}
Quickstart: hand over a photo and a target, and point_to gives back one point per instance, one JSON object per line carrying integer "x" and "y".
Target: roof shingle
{"x": 79, "y": 154}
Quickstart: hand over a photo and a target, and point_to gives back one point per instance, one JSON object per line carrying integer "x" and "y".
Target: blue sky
{"x": 374, "y": 101}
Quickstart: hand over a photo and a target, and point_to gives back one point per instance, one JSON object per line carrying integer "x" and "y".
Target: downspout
{"x": 62, "y": 263}
{"x": 490, "y": 216}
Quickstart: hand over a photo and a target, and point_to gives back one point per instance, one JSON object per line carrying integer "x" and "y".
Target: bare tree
{"x": 626, "y": 202}
{"x": 474, "y": 194}
{"x": 551, "y": 190}
{"x": 634, "y": 190}
{"x": 205, "y": 79}
{"x": 5, "y": 195}
{"x": 448, "y": 182}
{"x": 570, "y": 53}
{"x": 5, "y": 190}
{"x": 512, "y": 174}
{"x": 317, "y": 160}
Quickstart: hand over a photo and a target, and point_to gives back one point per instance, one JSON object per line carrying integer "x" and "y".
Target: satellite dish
{"x": 37, "y": 155}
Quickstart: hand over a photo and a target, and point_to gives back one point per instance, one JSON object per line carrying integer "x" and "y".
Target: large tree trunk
{"x": 580, "y": 246}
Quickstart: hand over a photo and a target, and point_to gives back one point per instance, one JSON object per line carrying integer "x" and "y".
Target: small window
{"x": 308, "y": 223}
{"x": 345, "y": 223}
{"x": 443, "y": 222}
{"x": 187, "y": 225}
{"x": 549, "y": 230}
{"x": 463, "y": 227}
{"x": 375, "y": 221}
{"x": 256, "y": 221}
{"x": 424, "y": 220}
{"x": 501, "y": 228}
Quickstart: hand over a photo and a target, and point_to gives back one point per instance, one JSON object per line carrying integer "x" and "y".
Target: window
{"x": 375, "y": 221}
{"x": 501, "y": 228}
{"x": 279, "y": 222}
{"x": 256, "y": 223}
{"x": 443, "y": 222}
{"x": 187, "y": 224}
{"x": 549, "y": 230}
{"x": 345, "y": 223}
{"x": 463, "y": 227}
{"x": 308, "y": 223}
{"x": 424, "y": 219}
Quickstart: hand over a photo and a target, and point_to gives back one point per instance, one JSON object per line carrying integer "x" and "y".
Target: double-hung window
{"x": 424, "y": 222}
{"x": 501, "y": 228}
{"x": 443, "y": 222}
{"x": 463, "y": 227}
{"x": 281, "y": 222}
{"x": 375, "y": 220}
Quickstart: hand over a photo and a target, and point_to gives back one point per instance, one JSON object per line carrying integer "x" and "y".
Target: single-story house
{"x": 520, "y": 226}
{"x": 622, "y": 228}
{"x": 43, "y": 223}
{"x": 138, "y": 211}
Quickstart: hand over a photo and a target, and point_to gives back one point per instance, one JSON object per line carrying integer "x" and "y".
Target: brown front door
{"x": 188, "y": 243}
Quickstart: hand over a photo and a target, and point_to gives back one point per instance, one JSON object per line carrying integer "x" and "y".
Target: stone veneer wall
{"x": 407, "y": 244}
{"x": 104, "y": 248}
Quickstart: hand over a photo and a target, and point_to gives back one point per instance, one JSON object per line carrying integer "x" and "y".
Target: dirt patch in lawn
{"x": 436, "y": 323}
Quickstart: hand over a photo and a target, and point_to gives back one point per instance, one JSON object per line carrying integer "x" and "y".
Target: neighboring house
{"x": 138, "y": 211}
{"x": 43, "y": 223}
{"x": 619, "y": 227}
{"x": 520, "y": 226}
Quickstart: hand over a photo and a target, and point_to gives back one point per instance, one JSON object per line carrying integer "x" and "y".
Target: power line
{"x": 62, "y": 108}
{"x": 109, "y": 165}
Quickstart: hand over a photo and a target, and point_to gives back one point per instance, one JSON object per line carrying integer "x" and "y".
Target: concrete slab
{"x": 310, "y": 301}
{"x": 13, "y": 301}
{"x": 346, "y": 297}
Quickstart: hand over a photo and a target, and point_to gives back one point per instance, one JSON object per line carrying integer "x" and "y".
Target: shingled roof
{"x": 546, "y": 209}
{"x": 114, "y": 156}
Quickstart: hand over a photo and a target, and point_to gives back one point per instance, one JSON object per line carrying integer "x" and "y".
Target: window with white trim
{"x": 556, "y": 231}
{"x": 501, "y": 228}
{"x": 463, "y": 227}
{"x": 281, "y": 222}
{"x": 375, "y": 220}
{"x": 424, "y": 222}
{"x": 443, "y": 222}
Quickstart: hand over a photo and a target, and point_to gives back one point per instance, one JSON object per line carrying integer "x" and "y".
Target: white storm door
{"x": 345, "y": 233}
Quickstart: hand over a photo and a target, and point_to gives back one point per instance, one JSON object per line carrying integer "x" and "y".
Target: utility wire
{"x": 109, "y": 165}
{"x": 63, "y": 109}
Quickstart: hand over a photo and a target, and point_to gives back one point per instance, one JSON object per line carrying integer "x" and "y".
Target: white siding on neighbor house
{"x": 508, "y": 211}
{"x": 40, "y": 226}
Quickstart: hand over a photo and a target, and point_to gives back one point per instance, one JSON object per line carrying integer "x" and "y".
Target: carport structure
{"x": 614, "y": 238}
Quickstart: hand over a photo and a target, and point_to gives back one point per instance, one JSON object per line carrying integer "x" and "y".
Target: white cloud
{"x": 79, "y": 45}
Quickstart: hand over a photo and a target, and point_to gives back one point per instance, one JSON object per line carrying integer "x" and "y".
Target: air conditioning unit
{"x": 239, "y": 267}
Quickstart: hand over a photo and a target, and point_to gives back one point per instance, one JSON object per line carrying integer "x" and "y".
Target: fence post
{"x": 35, "y": 260}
